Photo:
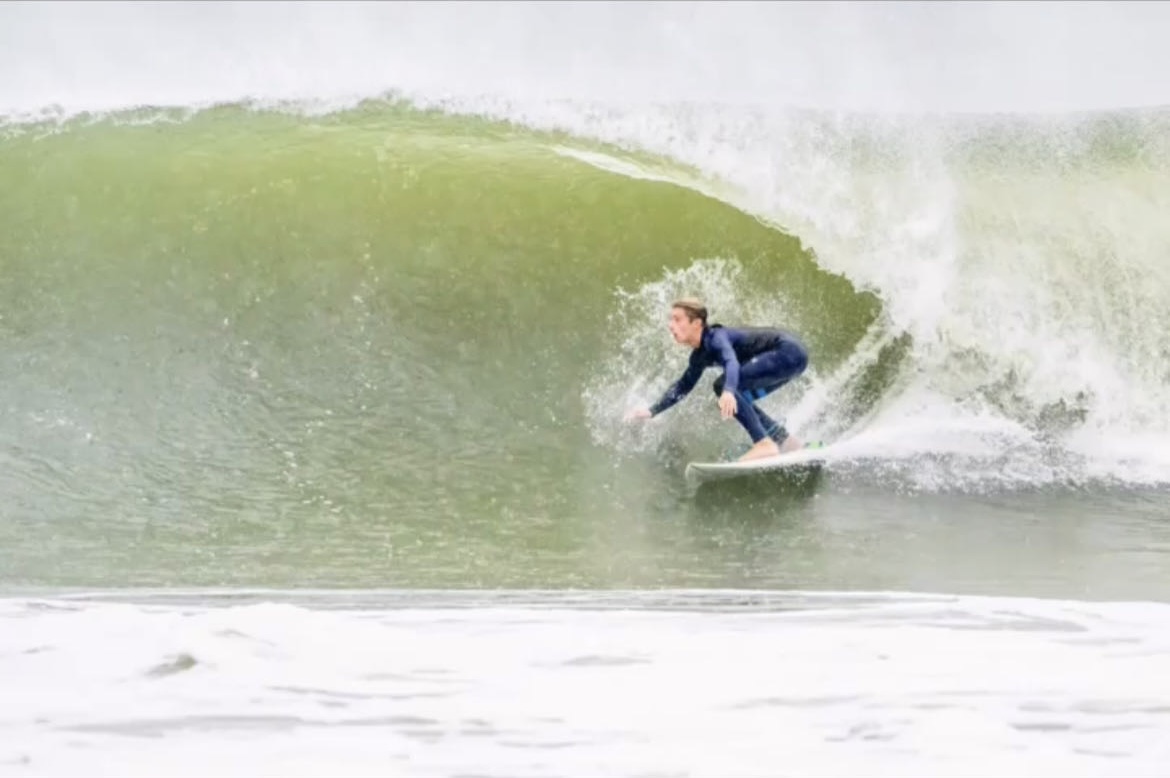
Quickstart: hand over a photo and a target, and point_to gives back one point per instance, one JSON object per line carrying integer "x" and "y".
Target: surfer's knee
{"x": 798, "y": 357}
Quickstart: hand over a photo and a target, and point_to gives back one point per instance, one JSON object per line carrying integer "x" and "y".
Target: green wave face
{"x": 383, "y": 345}
{"x": 392, "y": 345}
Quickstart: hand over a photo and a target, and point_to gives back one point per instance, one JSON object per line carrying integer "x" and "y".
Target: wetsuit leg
{"x": 760, "y": 376}
{"x": 772, "y": 428}
{"x": 747, "y": 414}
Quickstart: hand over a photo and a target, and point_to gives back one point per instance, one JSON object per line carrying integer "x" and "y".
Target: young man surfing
{"x": 756, "y": 361}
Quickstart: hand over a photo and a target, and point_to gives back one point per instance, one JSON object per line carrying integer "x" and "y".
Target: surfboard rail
{"x": 803, "y": 457}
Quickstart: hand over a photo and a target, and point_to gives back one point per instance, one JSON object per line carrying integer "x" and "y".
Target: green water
{"x": 255, "y": 348}
{"x": 252, "y": 348}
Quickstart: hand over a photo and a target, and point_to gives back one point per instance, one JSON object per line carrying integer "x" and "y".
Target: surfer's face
{"x": 685, "y": 329}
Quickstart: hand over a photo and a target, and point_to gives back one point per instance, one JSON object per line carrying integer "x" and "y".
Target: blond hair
{"x": 694, "y": 308}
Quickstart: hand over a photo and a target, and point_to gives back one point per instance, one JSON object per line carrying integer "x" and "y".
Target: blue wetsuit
{"x": 755, "y": 360}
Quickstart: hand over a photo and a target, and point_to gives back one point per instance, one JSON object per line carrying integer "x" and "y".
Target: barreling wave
{"x": 383, "y": 310}
{"x": 395, "y": 274}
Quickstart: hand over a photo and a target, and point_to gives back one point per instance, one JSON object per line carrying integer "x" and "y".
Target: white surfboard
{"x": 710, "y": 471}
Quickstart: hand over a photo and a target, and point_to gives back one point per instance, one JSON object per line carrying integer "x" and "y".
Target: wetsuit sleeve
{"x": 722, "y": 344}
{"x": 680, "y": 388}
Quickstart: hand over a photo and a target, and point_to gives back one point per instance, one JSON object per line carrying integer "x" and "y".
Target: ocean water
{"x": 318, "y": 323}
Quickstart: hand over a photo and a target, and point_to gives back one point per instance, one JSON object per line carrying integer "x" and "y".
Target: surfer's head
{"x": 688, "y": 317}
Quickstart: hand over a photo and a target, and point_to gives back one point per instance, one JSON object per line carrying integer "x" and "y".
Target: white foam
{"x": 889, "y": 686}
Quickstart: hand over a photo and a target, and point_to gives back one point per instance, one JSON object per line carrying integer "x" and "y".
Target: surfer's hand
{"x": 638, "y": 413}
{"x": 727, "y": 405}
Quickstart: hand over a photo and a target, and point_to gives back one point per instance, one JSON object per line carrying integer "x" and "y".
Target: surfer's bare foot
{"x": 765, "y": 448}
{"x": 790, "y": 444}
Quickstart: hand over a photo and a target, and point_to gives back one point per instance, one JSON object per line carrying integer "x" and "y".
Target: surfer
{"x": 756, "y": 361}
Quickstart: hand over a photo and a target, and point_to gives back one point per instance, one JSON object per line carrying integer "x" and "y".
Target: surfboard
{"x": 807, "y": 457}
